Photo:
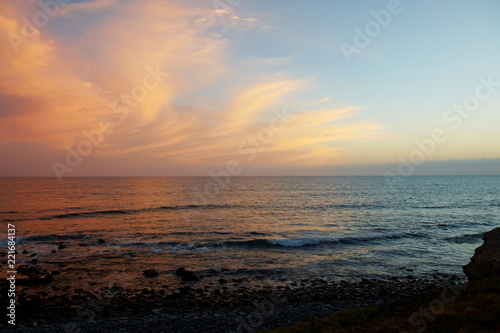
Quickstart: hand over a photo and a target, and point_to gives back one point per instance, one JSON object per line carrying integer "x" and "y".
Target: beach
{"x": 104, "y": 254}
{"x": 224, "y": 306}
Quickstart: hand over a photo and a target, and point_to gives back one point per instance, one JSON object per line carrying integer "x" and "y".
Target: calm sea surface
{"x": 261, "y": 228}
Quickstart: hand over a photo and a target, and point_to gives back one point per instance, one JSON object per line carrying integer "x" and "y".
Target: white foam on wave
{"x": 296, "y": 242}
{"x": 174, "y": 248}
{"x": 45, "y": 238}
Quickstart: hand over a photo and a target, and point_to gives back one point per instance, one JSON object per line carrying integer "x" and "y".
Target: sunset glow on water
{"x": 243, "y": 165}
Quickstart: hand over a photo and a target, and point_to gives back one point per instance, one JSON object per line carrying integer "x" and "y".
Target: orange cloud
{"x": 61, "y": 83}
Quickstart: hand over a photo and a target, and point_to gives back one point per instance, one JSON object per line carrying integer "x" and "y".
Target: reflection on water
{"x": 104, "y": 229}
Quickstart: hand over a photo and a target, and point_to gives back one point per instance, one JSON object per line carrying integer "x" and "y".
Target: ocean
{"x": 259, "y": 229}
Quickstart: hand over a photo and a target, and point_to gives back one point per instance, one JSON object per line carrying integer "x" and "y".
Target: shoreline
{"x": 197, "y": 308}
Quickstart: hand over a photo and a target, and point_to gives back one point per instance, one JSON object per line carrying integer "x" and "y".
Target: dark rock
{"x": 56, "y": 273}
{"x": 60, "y": 247}
{"x": 185, "y": 290}
{"x": 486, "y": 259}
{"x": 187, "y": 276}
{"x": 24, "y": 252}
{"x": 53, "y": 251}
{"x": 101, "y": 241}
{"x": 222, "y": 281}
{"x": 33, "y": 276}
{"x": 190, "y": 277}
{"x": 116, "y": 289}
{"x": 174, "y": 296}
{"x": 24, "y": 269}
{"x": 150, "y": 273}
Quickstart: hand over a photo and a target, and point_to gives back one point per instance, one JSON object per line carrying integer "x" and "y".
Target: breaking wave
{"x": 311, "y": 241}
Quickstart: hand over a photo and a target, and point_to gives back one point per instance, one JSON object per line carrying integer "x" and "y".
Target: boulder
{"x": 185, "y": 290}
{"x": 150, "y": 273}
{"x": 190, "y": 277}
{"x": 181, "y": 271}
{"x": 187, "y": 276}
{"x": 116, "y": 290}
{"x": 486, "y": 259}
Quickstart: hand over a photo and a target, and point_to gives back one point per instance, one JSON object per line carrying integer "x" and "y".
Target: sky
{"x": 252, "y": 87}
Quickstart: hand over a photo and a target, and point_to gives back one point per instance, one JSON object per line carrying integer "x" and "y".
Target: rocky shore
{"x": 192, "y": 306}
{"x": 469, "y": 308}
{"x": 199, "y": 304}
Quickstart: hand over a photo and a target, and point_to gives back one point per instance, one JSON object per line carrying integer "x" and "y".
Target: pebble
{"x": 206, "y": 307}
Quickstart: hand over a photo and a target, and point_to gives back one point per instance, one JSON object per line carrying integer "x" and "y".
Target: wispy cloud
{"x": 57, "y": 86}
{"x": 323, "y": 100}
{"x": 87, "y": 6}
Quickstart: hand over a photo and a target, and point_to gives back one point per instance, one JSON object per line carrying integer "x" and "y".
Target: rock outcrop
{"x": 486, "y": 260}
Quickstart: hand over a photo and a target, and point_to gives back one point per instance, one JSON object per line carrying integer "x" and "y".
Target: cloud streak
{"x": 70, "y": 74}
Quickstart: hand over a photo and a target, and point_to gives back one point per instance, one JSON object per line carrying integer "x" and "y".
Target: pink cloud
{"x": 59, "y": 85}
